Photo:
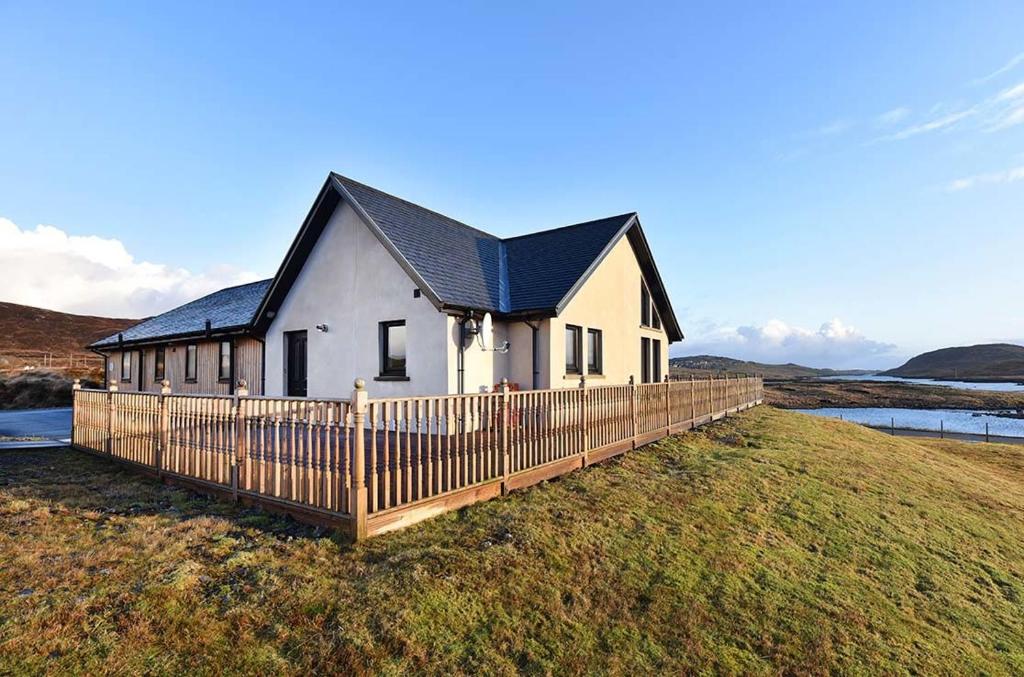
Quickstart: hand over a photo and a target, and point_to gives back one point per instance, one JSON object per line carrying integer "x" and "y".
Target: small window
{"x": 224, "y": 361}
{"x": 645, "y": 360}
{"x": 645, "y": 305}
{"x": 392, "y": 349}
{"x": 126, "y": 365}
{"x": 159, "y": 368}
{"x": 573, "y": 348}
{"x": 594, "y": 351}
{"x": 656, "y": 359}
{"x": 190, "y": 363}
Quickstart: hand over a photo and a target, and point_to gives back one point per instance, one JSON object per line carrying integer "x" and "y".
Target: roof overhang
{"x": 202, "y": 334}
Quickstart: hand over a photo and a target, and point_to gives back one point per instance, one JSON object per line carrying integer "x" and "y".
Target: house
{"x": 377, "y": 287}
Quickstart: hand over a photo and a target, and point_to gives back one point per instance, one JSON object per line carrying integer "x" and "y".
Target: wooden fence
{"x": 373, "y": 465}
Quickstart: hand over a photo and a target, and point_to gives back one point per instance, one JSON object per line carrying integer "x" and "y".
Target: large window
{"x": 126, "y": 365}
{"x": 224, "y": 362}
{"x": 645, "y": 360}
{"x": 645, "y": 305}
{"x": 573, "y": 348}
{"x": 594, "y": 358}
{"x": 159, "y": 364}
{"x": 392, "y": 349}
{"x": 656, "y": 359}
{"x": 190, "y": 363}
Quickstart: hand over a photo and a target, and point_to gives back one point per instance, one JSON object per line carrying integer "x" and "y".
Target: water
{"x": 963, "y": 385}
{"x": 927, "y": 419}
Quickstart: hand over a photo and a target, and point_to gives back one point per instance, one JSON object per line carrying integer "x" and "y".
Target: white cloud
{"x": 946, "y": 121}
{"x": 92, "y": 275}
{"x": 1008, "y": 66}
{"x": 834, "y": 344}
{"x": 833, "y": 128}
{"x": 1007, "y": 176}
{"x": 891, "y": 117}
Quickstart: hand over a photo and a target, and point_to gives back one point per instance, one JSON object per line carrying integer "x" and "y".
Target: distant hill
{"x": 714, "y": 363}
{"x": 28, "y": 335}
{"x": 990, "y": 361}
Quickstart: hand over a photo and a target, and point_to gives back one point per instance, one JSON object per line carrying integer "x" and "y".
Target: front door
{"x": 295, "y": 363}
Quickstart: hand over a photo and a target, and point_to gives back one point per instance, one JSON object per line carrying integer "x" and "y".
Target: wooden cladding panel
{"x": 248, "y": 365}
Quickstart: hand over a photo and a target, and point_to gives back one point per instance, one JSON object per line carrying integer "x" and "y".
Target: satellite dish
{"x": 486, "y": 331}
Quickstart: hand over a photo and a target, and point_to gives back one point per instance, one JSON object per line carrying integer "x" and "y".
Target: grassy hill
{"x": 771, "y": 543}
{"x": 25, "y": 332}
{"x": 704, "y": 363}
{"x": 51, "y": 345}
{"x": 991, "y": 361}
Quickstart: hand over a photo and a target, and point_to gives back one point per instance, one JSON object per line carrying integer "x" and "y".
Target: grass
{"x": 770, "y": 543}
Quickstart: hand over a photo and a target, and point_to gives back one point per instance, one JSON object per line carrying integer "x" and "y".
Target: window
{"x": 392, "y": 349}
{"x": 645, "y": 360}
{"x": 190, "y": 363}
{"x": 594, "y": 351}
{"x": 159, "y": 368}
{"x": 656, "y": 359}
{"x": 126, "y": 365}
{"x": 645, "y": 305}
{"x": 573, "y": 348}
{"x": 655, "y": 318}
{"x": 224, "y": 361}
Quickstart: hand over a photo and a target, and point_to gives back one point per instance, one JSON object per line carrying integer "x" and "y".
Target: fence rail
{"x": 374, "y": 465}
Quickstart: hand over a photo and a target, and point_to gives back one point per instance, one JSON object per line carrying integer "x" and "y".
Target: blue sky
{"x": 841, "y": 186}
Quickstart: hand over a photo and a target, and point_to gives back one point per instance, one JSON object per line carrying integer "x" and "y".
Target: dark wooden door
{"x": 295, "y": 363}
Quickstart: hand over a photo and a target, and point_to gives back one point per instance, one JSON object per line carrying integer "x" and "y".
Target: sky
{"x": 837, "y": 186}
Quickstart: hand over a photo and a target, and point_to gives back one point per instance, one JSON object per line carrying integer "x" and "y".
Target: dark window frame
{"x": 221, "y": 377}
{"x": 384, "y": 340}
{"x": 595, "y": 366}
{"x": 645, "y": 359}
{"x": 576, "y": 366}
{"x": 194, "y": 350}
{"x": 645, "y": 305}
{"x": 655, "y": 361}
{"x": 126, "y": 366}
{"x": 159, "y": 364}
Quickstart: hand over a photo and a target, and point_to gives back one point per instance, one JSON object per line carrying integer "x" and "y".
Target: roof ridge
{"x": 571, "y": 225}
{"x": 416, "y": 205}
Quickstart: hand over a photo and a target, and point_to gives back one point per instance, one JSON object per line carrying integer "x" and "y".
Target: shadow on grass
{"x": 68, "y": 479}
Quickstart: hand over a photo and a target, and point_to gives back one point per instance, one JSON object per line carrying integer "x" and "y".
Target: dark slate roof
{"x": 467, "y": 267}
{"x": 230, "y": 308}
{"x": 460, "y": 263}
{"x": 543, "y": 267}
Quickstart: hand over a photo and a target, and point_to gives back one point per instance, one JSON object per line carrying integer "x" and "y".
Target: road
{"x": 49, "y": 423}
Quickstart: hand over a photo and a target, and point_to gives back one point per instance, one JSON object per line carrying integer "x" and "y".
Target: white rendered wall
{"x": 351, "y": 283}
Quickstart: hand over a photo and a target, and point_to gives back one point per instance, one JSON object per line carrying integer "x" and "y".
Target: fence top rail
{"x": 318, "y": 400}
{"x": 92, "y": 390}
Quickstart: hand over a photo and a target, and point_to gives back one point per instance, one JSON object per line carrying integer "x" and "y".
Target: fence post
{"x": 668, "y": 407}
{"x": 357, "y": 497}
{"x": 109, "y": 446}
{"x": 165, "y": 427}
{"x": 711, "y": 397}
{"x": 584, "y": 421}
{"x": 693, "y": 404}
{"x": 238, "y": 462}
{"x": 725, "y": 401}
{"x": 506, "y": 456}
{"x": 75, "y": 387}
{"x": 633, "y": 407}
